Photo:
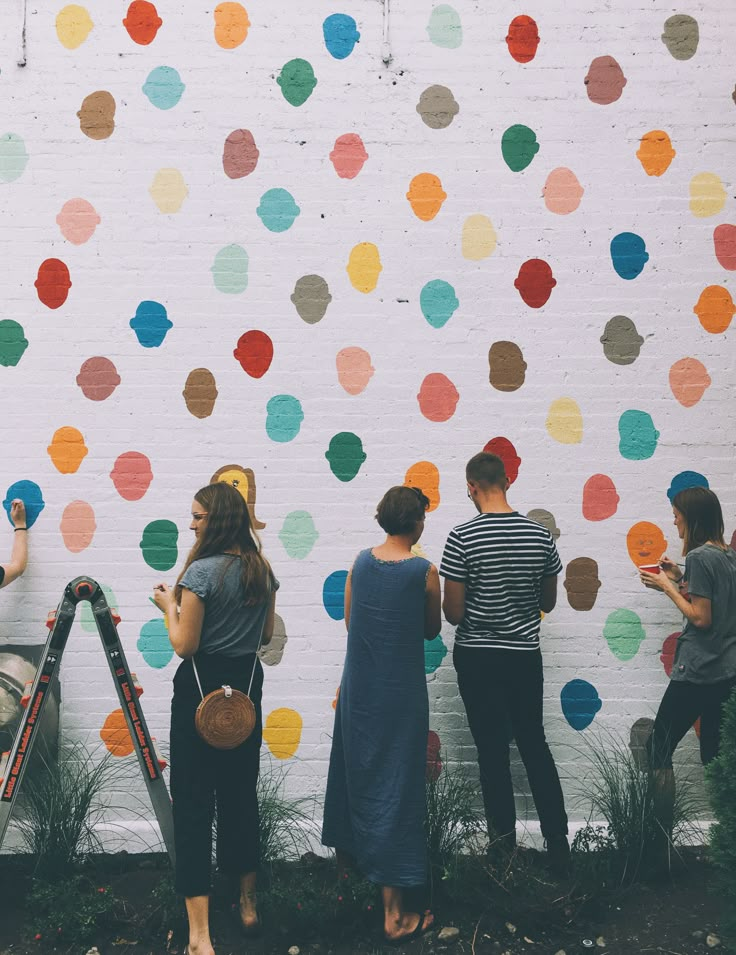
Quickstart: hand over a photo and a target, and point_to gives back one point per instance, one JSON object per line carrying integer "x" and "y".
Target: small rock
{"x": 93, "y": 951}
{"x": 448, "y": 934}
{"x": 712, "y": 941}
{"x": 561, "y": 952}
{"x": 511, "y": 928}
{"x": 294, "y": 950}
{"x": 600, "y": 942}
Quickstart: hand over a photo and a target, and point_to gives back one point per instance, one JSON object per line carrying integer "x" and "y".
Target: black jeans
{"x": 681, "y": 706}
{"x": 502, "y": 691}
{"x": 202, "y": 777}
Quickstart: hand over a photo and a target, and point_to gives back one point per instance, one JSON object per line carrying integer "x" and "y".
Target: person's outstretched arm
{"x": 19, "y": 555}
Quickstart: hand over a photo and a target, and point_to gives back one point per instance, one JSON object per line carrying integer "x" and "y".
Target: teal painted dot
{"x": 230, "y": 270}
{"x": 163, "y": 87}
{"x": 444, "y": 27}
{"x": 637, "y": 435}
{"x": 438, "y": 302}
{"x": 298, "y": 534}
{"x": 13, "y": 342}
{"x": 297, "y": 81}
{"x": 284, "y": 418}
{"x": 13, "y": 157}
{"x": 159, "y": 544}
{"x": 435, "y": 652}
{"x": 154, "y": 644}
{"x": 623, "y": 633}
{"x": 87, "y": 618}
{"x": 277, "y": 210}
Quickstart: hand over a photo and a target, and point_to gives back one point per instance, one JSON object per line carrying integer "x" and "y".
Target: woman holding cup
{"x": 704, "y": 669}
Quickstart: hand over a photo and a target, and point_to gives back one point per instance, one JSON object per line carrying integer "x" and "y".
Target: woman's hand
{"x": 671, "y": 568}
{"x": 660, "y": 581}
{"x": 18, "y": 513}
{"x": 163, "y": 597}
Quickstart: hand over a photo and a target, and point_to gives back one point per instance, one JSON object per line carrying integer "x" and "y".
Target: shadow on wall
{"x": 18, "y": 667}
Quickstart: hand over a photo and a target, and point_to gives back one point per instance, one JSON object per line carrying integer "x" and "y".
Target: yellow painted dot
{"x": 168, "y": 190}
{"x": 565, "y": 422}
{"x": 73, "y": 26}
{"x": 364, "y": 267}
{"x": 479, "y": 238}
{"x": 707, "y": 195}
{"x": 283, "y": 732}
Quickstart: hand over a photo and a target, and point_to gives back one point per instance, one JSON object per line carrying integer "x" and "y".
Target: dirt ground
{"x": 677, "y": 915}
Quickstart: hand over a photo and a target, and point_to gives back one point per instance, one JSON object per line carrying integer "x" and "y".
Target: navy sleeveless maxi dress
{"x": 375, "y": 803}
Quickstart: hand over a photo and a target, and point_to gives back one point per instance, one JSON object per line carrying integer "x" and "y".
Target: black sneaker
{"x": 558, "y": 855}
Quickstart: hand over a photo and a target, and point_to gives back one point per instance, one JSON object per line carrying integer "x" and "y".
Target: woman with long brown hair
{"x": 219, "y": 613}
{"x": 704, "y": 670}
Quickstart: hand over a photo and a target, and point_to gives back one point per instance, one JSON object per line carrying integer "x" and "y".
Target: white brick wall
{"x": 138, "y": 253}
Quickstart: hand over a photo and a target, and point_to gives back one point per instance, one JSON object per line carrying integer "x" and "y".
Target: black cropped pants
{"x": 204, "y": 779}
{"x": 682, "y": 704}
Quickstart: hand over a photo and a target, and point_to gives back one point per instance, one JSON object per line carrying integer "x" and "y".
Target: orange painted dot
{"x": 115, "y": 735}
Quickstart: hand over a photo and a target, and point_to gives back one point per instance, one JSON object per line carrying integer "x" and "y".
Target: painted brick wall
{"x": 523, "y": 163}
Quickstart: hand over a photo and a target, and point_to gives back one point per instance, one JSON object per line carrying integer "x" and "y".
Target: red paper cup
{"x": 651, "y": 568}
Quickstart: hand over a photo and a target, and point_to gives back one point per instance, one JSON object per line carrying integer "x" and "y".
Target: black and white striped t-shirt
{"x": 501, "y": 559}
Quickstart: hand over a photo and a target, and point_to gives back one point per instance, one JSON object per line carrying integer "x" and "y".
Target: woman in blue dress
{"x": 375, "y": 802}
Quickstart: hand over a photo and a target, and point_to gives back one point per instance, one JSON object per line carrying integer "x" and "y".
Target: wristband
{"x": 16, "y": 529}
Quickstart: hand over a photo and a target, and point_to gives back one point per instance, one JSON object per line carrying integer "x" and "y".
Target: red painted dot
{"x": 254, "y": 352}
{"x": 53, "y": 283}
{"x": 505, "y": 450}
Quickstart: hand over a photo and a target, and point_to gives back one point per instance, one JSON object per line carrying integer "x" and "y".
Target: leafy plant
{"x": 624, "y": 794}
{"x": 721, "y": 778}
{"x": 454, "y": 817}
{"x": 286, "y": 823}
{"x": 69, "y": 911}
{"x": 62, "y": 808}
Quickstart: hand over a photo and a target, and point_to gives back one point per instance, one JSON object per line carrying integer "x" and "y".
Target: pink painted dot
{"x": 132, "y": 475}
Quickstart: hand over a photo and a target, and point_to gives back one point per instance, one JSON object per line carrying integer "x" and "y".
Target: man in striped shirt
{"x": 500, "y": 570}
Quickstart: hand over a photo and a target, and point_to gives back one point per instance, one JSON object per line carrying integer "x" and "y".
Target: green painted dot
{"x": 298, "y": 534}
{"x": 13, "y": 157}
{"x": 13, "y": 342}
{"x": 159, "y": 544}
{"x": 154, "y": 644}
{"x": 445, "y": 28}
{"x": 284, "y": 418}
{"x": 624, "y": 633}
{"x": 435, "y": 652}
{"x": 519, "y": 146}
{"x": 346, "y": 455}
{"x": 87, "y": 618}
{"x": 297, "y": 81}
{"x": 230, "y": 270}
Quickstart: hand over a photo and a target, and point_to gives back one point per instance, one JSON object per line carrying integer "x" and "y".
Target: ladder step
{"x": 136, "y": 685}
{"x": 162, "y": 764}
{"x": 4, "y": 764}
{"x": 26, "y": 698}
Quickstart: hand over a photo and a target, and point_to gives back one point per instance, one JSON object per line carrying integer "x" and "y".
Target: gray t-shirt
{"x": 709, "y": 655}
{"x": 230, "y": 628}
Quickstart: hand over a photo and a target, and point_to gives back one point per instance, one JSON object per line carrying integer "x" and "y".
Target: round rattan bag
{"x": 225, "y": 718}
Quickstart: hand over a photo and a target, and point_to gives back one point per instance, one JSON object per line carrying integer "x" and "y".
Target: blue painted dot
{"x": 686, "y": 479}
{"x": 333, "y": 594}
{"x": 150, "y": 324}
{"x": 580, "y": 703}
{"x": 284, "y": 418}
{"x": 30, "y": 493}
{"x": 628, "y": 254}
{"x": 163, "y": 87}
{"x": 438, "y": 302}
{"x": 341, "y": 34}
{"x": 277, "y": 210}
{"x": 154, "y": 644}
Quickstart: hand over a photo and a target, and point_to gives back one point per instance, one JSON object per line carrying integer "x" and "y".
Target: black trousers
{"x": 681, "y": 706}
{"x": 204, "y": 778}
{"x": 502, "y": 691}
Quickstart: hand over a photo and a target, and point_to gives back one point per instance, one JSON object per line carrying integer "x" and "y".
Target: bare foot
{"x": 199, "y": 948}
{"x": 249, "y": 911}
{"x": 408, "y": 925}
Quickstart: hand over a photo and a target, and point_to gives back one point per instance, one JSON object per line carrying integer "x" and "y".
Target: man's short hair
{"x": 486, "y": 470}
